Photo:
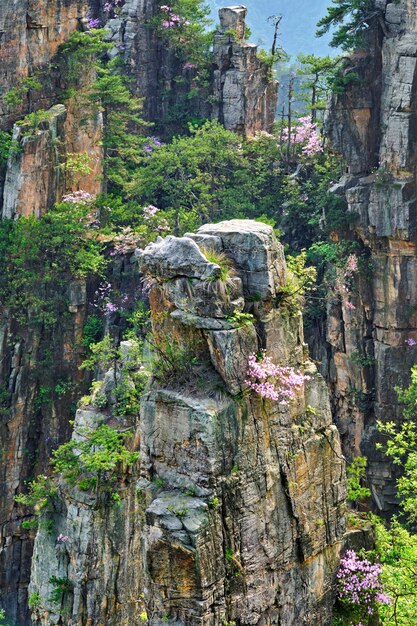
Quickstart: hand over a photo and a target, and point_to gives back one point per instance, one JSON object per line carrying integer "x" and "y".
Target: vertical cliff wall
{"x": 36, "y": 359}
{"x": 373, "y": 125}
{"x": 235, "y": 511}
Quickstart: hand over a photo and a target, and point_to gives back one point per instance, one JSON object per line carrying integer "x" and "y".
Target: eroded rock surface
{"x": 244, "y": 94}
{"x": 373, "y": 125}
{"x": 235, "y": 510}
{"x": 239, "y": 530}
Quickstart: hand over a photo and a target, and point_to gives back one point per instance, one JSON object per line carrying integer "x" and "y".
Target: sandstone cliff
{"x": 235, "y": 511}
{"x": 372, "y": 347}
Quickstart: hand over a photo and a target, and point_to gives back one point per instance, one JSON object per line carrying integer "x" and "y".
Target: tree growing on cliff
{"x": 350, "y": 19}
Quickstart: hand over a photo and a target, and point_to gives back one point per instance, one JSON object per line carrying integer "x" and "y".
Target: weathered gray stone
{"x": 256, "y": 253}
{"x": 229, "y": 351}
{"x": 261, "y": 469}
{"x": 245, "y": 95}
{"x": 174, "y": 257}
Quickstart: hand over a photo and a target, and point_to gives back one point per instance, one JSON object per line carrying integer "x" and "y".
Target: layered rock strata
{"x": 239, "y": 507}
{"x": 372, "y": 348}
{"x": 245, "y": 96}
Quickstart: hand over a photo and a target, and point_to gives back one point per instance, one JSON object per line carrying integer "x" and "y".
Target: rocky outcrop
{"x": 32, "y": 31}
{"x": 238, "y": 531}
{"x": 373, "y": 346}
{"x": 235, "y": 511}
{"x": 245, "y": 96}
{"x": 35, "y": 176}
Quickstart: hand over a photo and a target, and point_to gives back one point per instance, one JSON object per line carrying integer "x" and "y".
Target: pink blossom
{"x": 125, "y": 241}
{"x": 350, "y": 305}
{"x": 92, "y": 23}
{"x": 110, "y": 308}
{"x": 305, "y": 133}
{"x": 149, "y": 211}
{"x": 62, "y": 538}
{"x": 189, "y": 66}
{"x": 274, "y": 382}
{"x": 351, "y": 265}
{"x": 78, "y": 197}
{"x": 359, "y": 582}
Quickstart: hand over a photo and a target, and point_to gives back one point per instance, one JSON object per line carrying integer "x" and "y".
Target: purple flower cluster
{"x": 62, "y": 538}
{"x": 153, "y": 142}
{"x": 111, "y": 6}
{"x": 189, "y": 66}
{"x": 274, "y": 382}
{"x": 344, "y": 279}
{"x": 359, "y": 582}
{"x": 411, "y": 342}
{"x": 171, "y": 19}
{"x": 93, "y": 23}
{"x": 126, "y": 241}
{"x": 149, "y": 211}
{"x": 111, "y": 301}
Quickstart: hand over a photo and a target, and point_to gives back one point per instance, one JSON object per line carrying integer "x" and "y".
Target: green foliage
{"x": 401, "y": 447}
{"x": 103, "y": 354}
{"x": 76, "y": 166}
{"x": 173, "y": 361}
{"x": 40, "y": 256}
{"x": 61, "y": 586}
{"x": 239, "y": 318}
{"x": 98, "y": 452}
{"x": 40, "y": 494}
{"x": 222, "y": 260}
{"x": 34, "y": 600}
{"x": 355, "y": 475}
{"x": 349, "y": 19}
{"x": 190, "y": 37}
{"x": 32, "y": 122}
{"x": 92, "y": 330}
{"x": 301, "y": 280}
{"x": 208, "y": 176}
{"x": 396, "y": 548}
{"x": 361, "y": 359}
{"x": 16, "y": 96}
{"x": 87, "y": 53}
{"x": 318, "y": 76}
{"x": 5, "y": 145}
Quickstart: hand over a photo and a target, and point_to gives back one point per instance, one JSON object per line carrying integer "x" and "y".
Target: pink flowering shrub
{"x": 78, "y": 197}
{"x": 359, "y": 589}
{"x": 171, "y": 19}
{"x": 112, "y": 7}
{"x": 305, "y": 135}
{"x": 274, "y": 382}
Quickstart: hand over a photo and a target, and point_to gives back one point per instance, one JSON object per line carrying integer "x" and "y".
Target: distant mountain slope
{"x": 298, "y": 24}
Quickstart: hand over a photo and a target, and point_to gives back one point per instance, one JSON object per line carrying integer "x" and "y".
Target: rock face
{"x": 373, "y": 126}
{"x": 32, "y": 31}
{"x": 237, "y": 532}
{"x": 237, "y": 512}
{"x": 244, "y": 94}
{"x": 35, "y": 175}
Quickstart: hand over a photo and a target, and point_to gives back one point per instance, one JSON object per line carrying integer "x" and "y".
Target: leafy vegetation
{"x": 39, "y": 256}
{"x": 350, "y": 18}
